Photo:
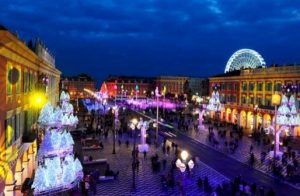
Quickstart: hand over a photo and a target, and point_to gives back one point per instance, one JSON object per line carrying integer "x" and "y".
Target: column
{"x": 254, "y": 121}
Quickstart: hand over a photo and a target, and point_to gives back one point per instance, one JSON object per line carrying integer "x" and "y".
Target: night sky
{"x": 156, "y": 37}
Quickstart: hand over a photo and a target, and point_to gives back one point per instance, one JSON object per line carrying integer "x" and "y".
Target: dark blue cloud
{"x": 156, "y": 37}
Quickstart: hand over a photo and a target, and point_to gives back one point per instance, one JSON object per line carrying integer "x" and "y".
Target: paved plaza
{"x": 242, "y": 153}
{"x": 147, "y": 182}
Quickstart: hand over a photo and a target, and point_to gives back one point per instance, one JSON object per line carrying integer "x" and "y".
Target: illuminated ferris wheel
{"x": 244, "y": 58}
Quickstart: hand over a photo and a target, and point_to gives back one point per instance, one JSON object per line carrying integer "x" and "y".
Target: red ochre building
{"x": 25, "y": 70}
{"x": 247, "y": 94}
{"x": 127, "y": 86}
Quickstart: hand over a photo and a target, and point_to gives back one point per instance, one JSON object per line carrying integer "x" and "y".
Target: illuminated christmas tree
{"x": 57, "y": 169}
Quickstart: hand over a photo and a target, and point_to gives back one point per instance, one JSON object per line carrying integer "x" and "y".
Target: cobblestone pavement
{"x": 242, "y": 153}
{"x": 147, "y": 182}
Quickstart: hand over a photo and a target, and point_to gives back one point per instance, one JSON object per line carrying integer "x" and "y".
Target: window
{"x": 258, "y": 100}
{"x": 251, "y": 99}
{"x": 244, "y": 86}
{"x": 9, "y": 131}
{"x": 9, "y": 79}
{"x": 229, "y": 86}
{"x": 236, "y": 86}
{"x": 259, "y": 86}
{"x": 223, "y": 86}
{"x": 269, "y": 86}
{"x": 18, "y": 84}
{"x": 278, "y": 87}
{"x": 222, "y": 98}
{"x": 251, "y": 86}
{"x": 268, "y": 101}
{"x": 26, "y": 82}
{"x": 233, "y": 98}
{"x": 244, "y": 100}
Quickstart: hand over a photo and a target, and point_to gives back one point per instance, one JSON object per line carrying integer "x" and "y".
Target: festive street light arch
{"x": 244, "y": 58}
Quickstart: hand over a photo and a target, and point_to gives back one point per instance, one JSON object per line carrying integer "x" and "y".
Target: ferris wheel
{"x": 244, "y": 58}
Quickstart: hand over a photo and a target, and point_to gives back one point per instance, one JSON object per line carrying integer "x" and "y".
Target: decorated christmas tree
{"x": 57, "y": 169}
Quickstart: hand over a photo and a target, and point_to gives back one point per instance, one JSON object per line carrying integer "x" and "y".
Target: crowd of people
{"x": 226, "y": 136}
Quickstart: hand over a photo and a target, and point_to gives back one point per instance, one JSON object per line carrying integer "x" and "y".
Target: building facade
{"x": 127, "y": 86}
{"x": 24, "y": 73}
{"x": 172, "y": 84}
{"x": 75, "y": 85}
{"x": 246, "y": 94}
{"x": 198, "y": 86}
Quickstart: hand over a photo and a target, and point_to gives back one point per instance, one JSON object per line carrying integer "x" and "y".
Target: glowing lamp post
{"x": 164, "y": 94}
{"x": 133, "y": 124}
{"x": 38, "y": 100}
{"x": 116, "y": 88}
{"x": 181, "y": 165}
{"x": 136, "y": 91}
{"x": 122, "y": 91}
{"x": 157, "y": 95}
{"x": 276, "y": 99}
{"x": 115, "y": 111}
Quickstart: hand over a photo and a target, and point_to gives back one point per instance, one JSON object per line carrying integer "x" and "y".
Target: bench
{"x": 94, "y": 161}
{"x": 106, "y": 178}
{"x": 90, "y": 147}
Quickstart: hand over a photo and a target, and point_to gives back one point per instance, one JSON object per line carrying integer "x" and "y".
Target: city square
{"x": 151, "y": 97}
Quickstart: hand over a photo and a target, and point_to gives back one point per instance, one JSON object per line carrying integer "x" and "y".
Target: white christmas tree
{"x": 57, "y": 168}
{"x": 46, "y": 116}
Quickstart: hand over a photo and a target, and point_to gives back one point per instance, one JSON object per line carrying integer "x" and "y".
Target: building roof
{"x": 3, "y": 27}
{"x": 80, "y": 77}
{"x": 228, "y": 74}
{"x": 138, "y": 78}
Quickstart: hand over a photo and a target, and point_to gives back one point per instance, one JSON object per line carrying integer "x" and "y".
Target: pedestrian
{"x": 251, "y": 148}
{"x": 252, "y": 159}
{"x": 164, "y": 163}
{"x": 93, "y": 184}
{"x": 87, "y": 187}
{"x": 127, "y": 144}
{"x": 137, "y": 165}
{"x": 168, "y": 149}
{"x": 145, "y": 155}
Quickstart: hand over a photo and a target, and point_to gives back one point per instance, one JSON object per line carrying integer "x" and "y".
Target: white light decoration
{"x": 57, "y": 169}
{"x": 182, "y": 167}
{"x": 46, "y": 115}
{"x": 143, "y": 126}
{"x": 184, "y": 155}
{"x": 191, "y": 164}
{"x": 214, "y": 102}
{"x": 287, "y": 112}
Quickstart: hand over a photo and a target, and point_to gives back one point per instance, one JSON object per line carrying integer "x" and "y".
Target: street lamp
{"x": 115, "y": 111}
{"x": 37, "y": 100}
{"x": 276, "y": 99}
{"x": 116, "y": 92}
{"x": 255, "y": 116}
{"x": 133, "y": 124}
{"x": 181, "y": 165}
{"x": 157, "y": 95}
{"x": 136, "y": 91}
